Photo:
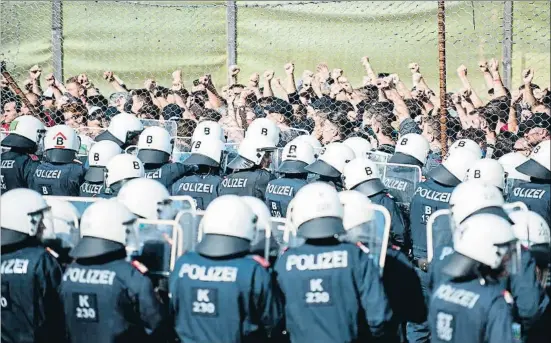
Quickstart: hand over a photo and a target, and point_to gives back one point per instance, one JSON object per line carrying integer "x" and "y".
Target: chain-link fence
{"x": 141, "y": 40}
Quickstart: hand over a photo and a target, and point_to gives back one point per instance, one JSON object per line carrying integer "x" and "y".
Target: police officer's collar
{"x": 153, "y": 157}
{"x": 370, "y": 187}
{"x": 443, "y": 176}
{"x": 10, "y": 238}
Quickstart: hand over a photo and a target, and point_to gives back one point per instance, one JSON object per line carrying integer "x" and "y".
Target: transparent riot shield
{"x": 181, "y": 148}
{"x": 277, "y": 156}
{"x": 378, "y": 156}
{"x": 189, "y": 220}
{"x": 155, "y": 244}
{"x": 61, "y": 233}
{"x": 183, "y": 202}
{"x": 168, "y": 125}
{"x": 440, "y": 228}
{"x": 401, "y": 182}
{"x": 81, "y": 203}
{"x": 230, "y": 152}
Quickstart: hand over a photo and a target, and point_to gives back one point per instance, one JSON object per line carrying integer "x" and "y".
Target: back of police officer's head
{"x": 208, "y": 129}
{"x": 123, "y": 129}
{"x": 146, "y": 198}
{"x": 357, "y": 217}
{"x": 99, "y": 156}
{"x": 332, "y": 160}
{"x": 538, "y": 166}
{"x": 468, "y": 144}
{"x": 316, "y": 212}
{"x": 228, "y": 228}
{"x": 411, "y": 149}
{"x": 510, "y": 162}
{"x": 264, "y": 127}
{"x": 122, "y": 168}
{"x": 362, "y": 174}
{"x": 61, "y": 144}
{"x": 105, "y": 227}
{"x": 254, "y": 152}
{"x": 22, "y": 213}
{"x": 489, "y": 171}
{"x": 206, "y": 153}
{"x": 476, "y": 196}
{"x": 484, "y": 246}
{"x": 155, "y": 145}
{"x": 296, "y": 155}
{"x": 454, "y": 168}
{"x": 26, "y": 134}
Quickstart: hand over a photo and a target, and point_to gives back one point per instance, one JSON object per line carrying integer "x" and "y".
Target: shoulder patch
{"x": 52, "y": 252}
{"x": 362, "y": 247}
{"x": 34, "y": 157}
{"x": 139, "y": 266}
{"x": 508, "y": 297}
{"x": 262, "y": 261}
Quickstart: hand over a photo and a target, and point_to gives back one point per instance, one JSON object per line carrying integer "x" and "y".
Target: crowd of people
{"x": 329, "y": 215}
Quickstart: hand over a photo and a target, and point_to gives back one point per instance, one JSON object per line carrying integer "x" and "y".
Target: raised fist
{"x": 336, "y": 73}
{"x": 414, "y": 68}
{"x": 289, "y": 68}
{"x": 462, "y": 71}
{"x": 253, "y": 80}
{"x": 50, "y": 80}
{"x": 527, "y": 76}
{"x": 234, "y": 70}
{"x": 493, "y": 66}
{"x": 108, "y": 75}
{"x": 268, "y": 75}
{"x": 483, "y": 65}
{"x": 34, "y": 72}
{"x": 323, "y": 71}
{"x": 365, "y": 60}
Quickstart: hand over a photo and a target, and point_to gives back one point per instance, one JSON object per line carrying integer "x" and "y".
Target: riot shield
{"x": 277, "y": 156}
{"x": 230, "y": 152}
{"x": 401, "y": 182}
{"x": 168, "y": 125}
{"x": 181, "y": 149}
{"x": 440, "y": 228}
{"x": 81, "y": 203}
{"x": 65, "y": 232}
{"x": 378, "y": 156}
{"x": 189, "y": 221}
{"x": 183, "y": 202}
{"x": 155, "y": 244}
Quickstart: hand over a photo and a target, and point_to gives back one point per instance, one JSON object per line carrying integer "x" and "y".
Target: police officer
{"x": 250, "y": 176}
{"x": 106, "y": 298}
{"x": 20, "y": 161}
{"x": 330, "y": 164}
{"x": 295, "y": 157}
{"x": 146, "y": 198}
{"x": 399, "y": 278}
{"x": 468, "y": 144}
{"x": 430, "y": 196}
{"x": 31, "y": 307}
{"x": 119, "y": 170}
{"x": 264, "y": 127}
{"x": 59, "y": 173}
{"x": 220, "y": 290}
{"x": 123, "y": 129}
{"x": 489, "y": 171}
{"x": 359, "y": 145}
{"x": 411, "y": 149}
{"x": 202, "y": 186}
{"x": 208, "y": 129}
{"x": 61, "y": 232}
{"x": 513, "y": 177}
{"x": 362, "y": 175}
{"x": 259, "y": 246}
{"x": 154, "y": 150}
{"x": 333, "y": 291}
{"x": 100, "y": 154}
{"x": 471, "y": 305}
{"x": 533, "y": 232}
{"x": 536, "y": 194}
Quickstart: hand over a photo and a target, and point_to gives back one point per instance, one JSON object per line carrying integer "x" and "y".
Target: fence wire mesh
{"x": 334, "y": 69}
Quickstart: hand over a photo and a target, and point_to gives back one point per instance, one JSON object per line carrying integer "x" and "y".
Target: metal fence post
{"x": 57, "y": 39}
{"x": 231, "y": 32}
{"x": 507, "y": 43}
{"x": 442, "y": 69}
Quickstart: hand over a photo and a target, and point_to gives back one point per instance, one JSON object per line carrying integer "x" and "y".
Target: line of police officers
{"x": 325, "y": 288}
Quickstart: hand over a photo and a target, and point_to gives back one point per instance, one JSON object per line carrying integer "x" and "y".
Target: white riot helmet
{"x": 454, "y": 169}
{"x": 21, "y": 214}
{"x": 229, "y": 227}
{"x": 61, "y": 222}
{"x": 359, "y": 145}
{"x": 260, "y": 210}
{"x": 123, "y": 167}
{"x": 484, "y": 238}
{"x": 106, "y": 226}
{"x": 123, "y": 128}
{"x": 332, "y": 160}
{"x": 295, "y": 157}
{"x": 411, "y": 149}
{"x": 26, "y": 132}
{"x": 489, "y": 171}
{"x": 362, "y": 174}
{"x": 466, "y": 143}
{"x": 355, "y": 206}
{"x": 251, "y": 151}
{"x": 99, "y": 156}
{"x": 313, "y": 141}
{"x": 146, "y": 198}
{"x": 61, "y": 144}
{"x": 155, "y": 145}
{"x": 316, "y": 211}
{"x": 475, "y": 196}
{"x": 264, "y": 127}
{"x": 539, "y": 164}
{"x": 205, "y": 152}
{"x": 530, "y": 228}
{"x": 510, "y": 162}
{"x": 208, "y": 129}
